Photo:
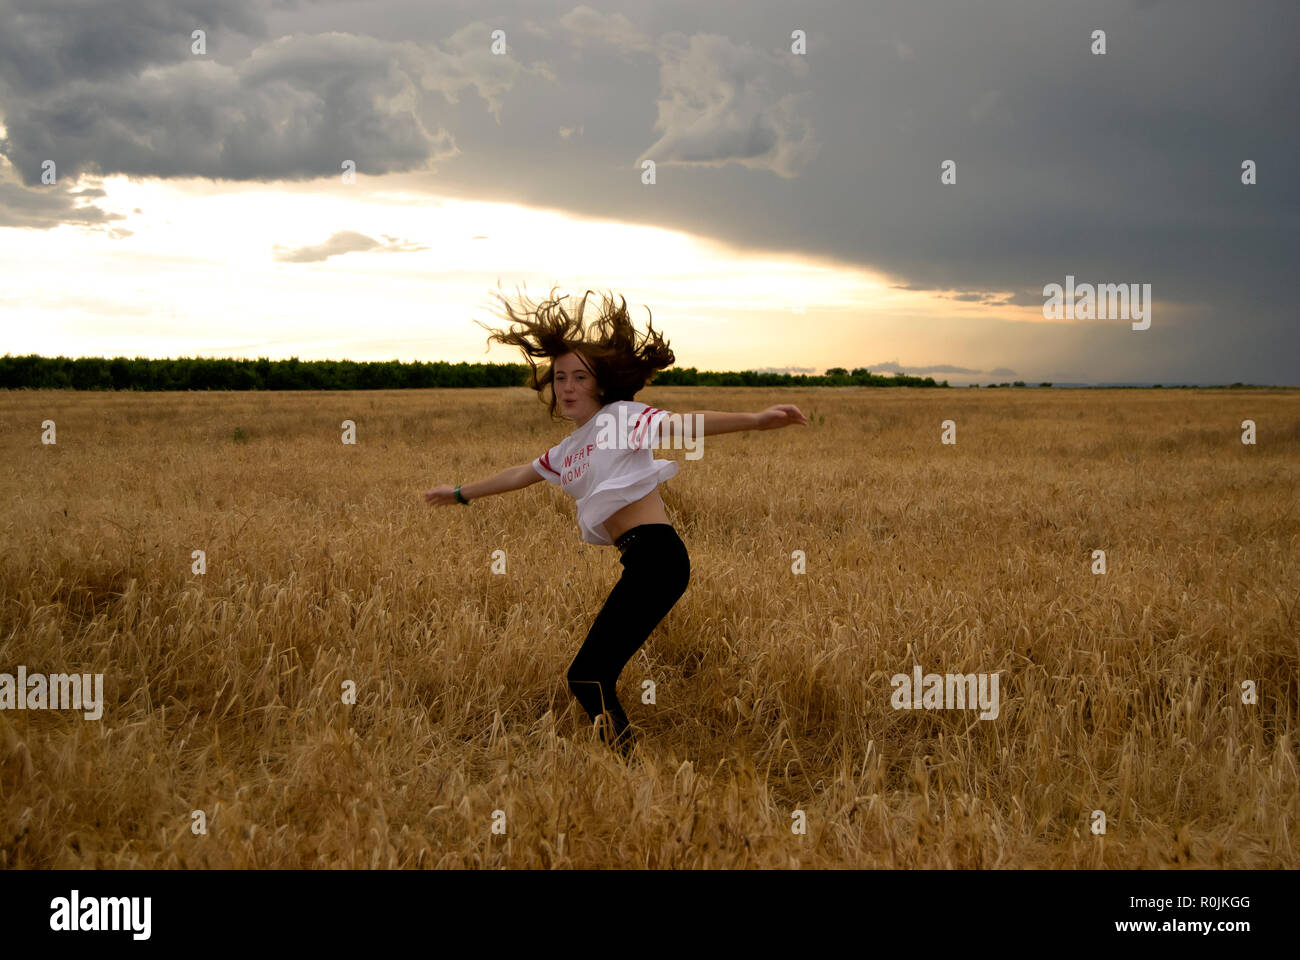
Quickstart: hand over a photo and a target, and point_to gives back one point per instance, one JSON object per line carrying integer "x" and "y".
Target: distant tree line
{"x": 834, "y": 377}
{"x": 202, "y": 373}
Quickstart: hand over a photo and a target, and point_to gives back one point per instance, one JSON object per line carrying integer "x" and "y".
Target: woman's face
{"x": 576, "y": 390}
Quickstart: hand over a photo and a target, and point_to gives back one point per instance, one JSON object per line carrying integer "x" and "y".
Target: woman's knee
{"x": 579, "y": 673}
{"x": 586, "y": 679}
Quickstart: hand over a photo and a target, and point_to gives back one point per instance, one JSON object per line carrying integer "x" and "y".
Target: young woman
{"x": 608, "y": 466}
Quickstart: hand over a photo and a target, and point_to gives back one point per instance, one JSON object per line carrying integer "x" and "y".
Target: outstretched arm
{"x": 512, "y": 478}
{"x": 719, "y": 421}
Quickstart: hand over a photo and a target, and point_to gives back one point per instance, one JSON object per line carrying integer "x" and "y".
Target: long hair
{"x": 609, "y": 349}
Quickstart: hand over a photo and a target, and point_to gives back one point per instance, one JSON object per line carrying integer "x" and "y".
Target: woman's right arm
{"x": 512, "y": 478}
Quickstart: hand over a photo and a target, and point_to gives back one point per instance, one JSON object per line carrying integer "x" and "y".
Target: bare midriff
{"x": 649, "y": 509}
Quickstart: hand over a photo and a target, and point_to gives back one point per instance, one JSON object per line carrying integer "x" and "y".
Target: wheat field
{"x": 226, "y": 739}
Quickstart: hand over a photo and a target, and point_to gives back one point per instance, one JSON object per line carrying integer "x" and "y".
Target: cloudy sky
{"x": 764, "y": 179}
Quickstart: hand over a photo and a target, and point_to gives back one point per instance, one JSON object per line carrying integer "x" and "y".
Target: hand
{"x": 440, "y": 496}
{"x": 781, "y": 415}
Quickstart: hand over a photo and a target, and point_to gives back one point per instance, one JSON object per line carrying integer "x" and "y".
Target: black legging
{"x": 656, "y": 570}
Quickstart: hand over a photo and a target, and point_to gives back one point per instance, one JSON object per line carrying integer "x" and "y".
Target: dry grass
{"x": 1118, "y": 692}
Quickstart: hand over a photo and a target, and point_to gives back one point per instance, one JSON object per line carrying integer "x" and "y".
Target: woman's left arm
{"x": 712, "y": 422}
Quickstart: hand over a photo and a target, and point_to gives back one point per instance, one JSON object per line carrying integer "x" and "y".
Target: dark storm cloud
{"x": 48, "y": 44}
{"x": 1122, "y": 168}
{"x": 298, "y": 108}
{"x": 750, "y": 119}
{"x": 114, "y": 89}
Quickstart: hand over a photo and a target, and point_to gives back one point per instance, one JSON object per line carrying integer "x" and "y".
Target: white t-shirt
{"x": 607, "y": 463}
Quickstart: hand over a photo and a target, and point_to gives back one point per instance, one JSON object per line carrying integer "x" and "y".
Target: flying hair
{"x": 621, "y": 361}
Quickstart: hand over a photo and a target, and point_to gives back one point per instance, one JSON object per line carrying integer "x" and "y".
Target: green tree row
{"x": 834, "y": 377}
{"x": 201, "y": 373}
